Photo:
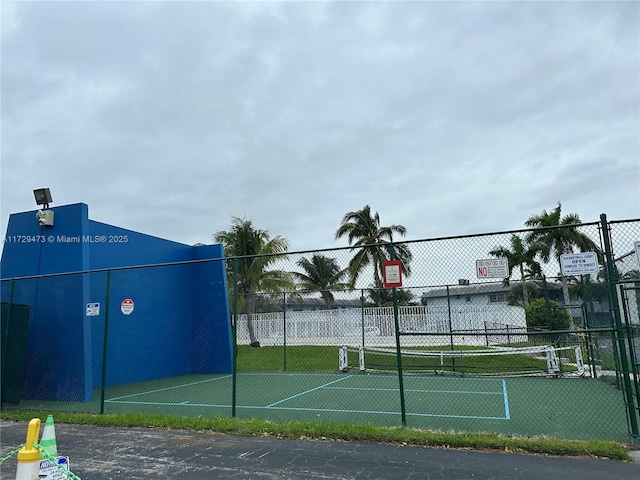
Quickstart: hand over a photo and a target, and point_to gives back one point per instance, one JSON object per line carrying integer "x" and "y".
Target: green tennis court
{"x": 515, "y": 406}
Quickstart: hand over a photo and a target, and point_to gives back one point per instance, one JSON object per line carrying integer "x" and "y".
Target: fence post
{"x": 284, "y": 329}
{"x": 615, "y": 307}
{"x": 396, "y": 319}
{"x": 8, "y": 321}
{"x": 234, "y": 330}
{"x": 403, "y": 410}
{"x": 453, "y": 359}
{"x": 588, "y": 315}
{"x": 105, "y": 342}
{"x": 630, "y": 342}
{"x": 362, "y": 315}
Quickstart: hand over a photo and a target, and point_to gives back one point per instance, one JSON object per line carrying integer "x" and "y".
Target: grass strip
{"x": 603, "y": 449}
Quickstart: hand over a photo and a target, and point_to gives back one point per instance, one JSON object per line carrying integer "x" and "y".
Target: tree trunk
{"x": 376, "y": 276}
{"x": 377, "y": 283}
{"x": 250, "y": 304}
{"x": 565, "y": 290}
{"x": 525, "y": 292}
{"x": 563, "y": 279}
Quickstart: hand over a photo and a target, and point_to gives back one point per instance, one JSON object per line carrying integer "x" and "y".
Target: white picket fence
{"x": 376, "y": 326}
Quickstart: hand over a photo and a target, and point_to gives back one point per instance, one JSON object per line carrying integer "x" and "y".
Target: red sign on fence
{"x": 126, "y": 306}
{"x": 392, "y": 273}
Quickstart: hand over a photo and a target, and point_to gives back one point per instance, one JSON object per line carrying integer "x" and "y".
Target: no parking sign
{"x": 53, "y": 471}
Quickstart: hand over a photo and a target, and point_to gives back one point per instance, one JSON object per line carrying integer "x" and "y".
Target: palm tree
{"x": 383, "y": 297}
{"x": 588, "y": 287}
{"x": 255, "y": 251}
{"x": 561, "y": 236}
{"x": 634, "y": 275}
{"x": 321, "y": 274}
{"x": 521, "y": 255}
{"x": 374, "y": 243}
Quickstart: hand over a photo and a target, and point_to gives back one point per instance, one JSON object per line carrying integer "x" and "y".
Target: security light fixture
{"x": 43, "y": 197}
{"x": 45, "y": 218}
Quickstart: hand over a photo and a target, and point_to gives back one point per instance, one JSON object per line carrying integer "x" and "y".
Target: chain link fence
{"x": 459, "y": 346}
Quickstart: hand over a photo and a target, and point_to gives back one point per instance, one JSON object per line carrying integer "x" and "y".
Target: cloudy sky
{"x": 449, "y": 118}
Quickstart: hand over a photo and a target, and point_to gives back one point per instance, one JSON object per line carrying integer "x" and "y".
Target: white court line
{"x": 328, "y": 410}
{"x": 506, "y": 399}
{"x": 173, "y": 404}
{"x": 327, "y": 386}
{"x": 469, "y": 392}
{"x": 389, "y": 413}
{"x": 168, "y": 388}
{"x": 308, "y": 391}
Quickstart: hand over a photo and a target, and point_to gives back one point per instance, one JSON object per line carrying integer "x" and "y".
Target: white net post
{"x": 579, "y": 361}
{"x": 552, "y": 362}
{"x": 343, "y": 363}
{"x": 361, "y": 358}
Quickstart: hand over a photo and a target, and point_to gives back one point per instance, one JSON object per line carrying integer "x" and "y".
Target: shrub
{"x": 536, "y": 315}
{"x": 514, "y": 297}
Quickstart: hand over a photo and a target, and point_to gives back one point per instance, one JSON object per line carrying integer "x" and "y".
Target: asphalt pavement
{"x": 100, "y": 453}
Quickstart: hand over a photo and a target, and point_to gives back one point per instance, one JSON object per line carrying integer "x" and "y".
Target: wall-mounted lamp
{"x": 43, "y": 197}
{"x": 45, "y": 218}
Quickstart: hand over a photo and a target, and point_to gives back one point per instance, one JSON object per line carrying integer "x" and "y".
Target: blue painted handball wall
{"x": 180, "y": 323}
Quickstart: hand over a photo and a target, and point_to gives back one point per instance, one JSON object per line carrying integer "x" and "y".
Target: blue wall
{"x": 180, "y": 323}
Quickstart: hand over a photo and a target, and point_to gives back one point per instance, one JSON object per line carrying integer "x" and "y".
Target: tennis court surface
{"x": 515, "y": 406}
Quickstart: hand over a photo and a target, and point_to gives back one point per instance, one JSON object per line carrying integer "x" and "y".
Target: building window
{"x": 498, "y": 297}
{"x": 468, "y": 298}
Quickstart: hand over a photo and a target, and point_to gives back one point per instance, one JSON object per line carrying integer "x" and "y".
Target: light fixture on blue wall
{"x": 43, "y": 197}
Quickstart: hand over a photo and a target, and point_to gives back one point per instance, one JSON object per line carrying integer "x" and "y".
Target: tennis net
{"x": 541, "y": 360}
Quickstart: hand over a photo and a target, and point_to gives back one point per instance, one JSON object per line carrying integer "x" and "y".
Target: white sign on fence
{"x": 637, "y": 246}
{"x": 93, "y": 309}
{"x": 492, "y": 268}
{"x": 585, "y": 263}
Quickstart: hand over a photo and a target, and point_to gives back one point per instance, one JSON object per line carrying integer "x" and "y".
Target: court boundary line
{"x": 273, "y": 406}
{"x": 308, "y": 391}
{"x": 505, "y": 398}
{"x": 414, "y": 390}
{"x": 329, "y": 410}
{"x": 168, "y": 388}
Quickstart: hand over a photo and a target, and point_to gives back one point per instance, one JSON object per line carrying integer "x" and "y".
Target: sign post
{"x": 392, "y": 278}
